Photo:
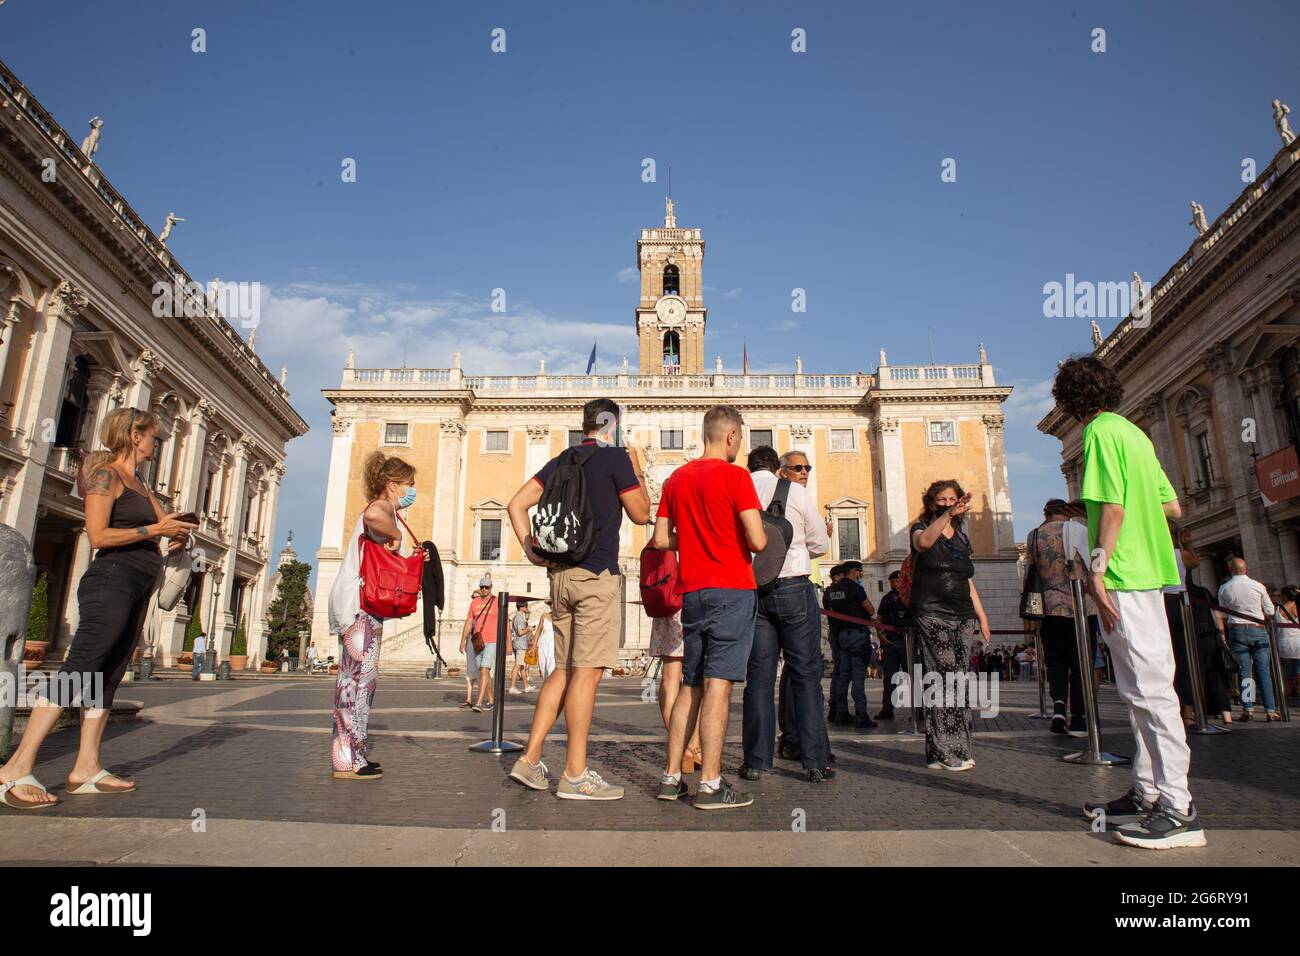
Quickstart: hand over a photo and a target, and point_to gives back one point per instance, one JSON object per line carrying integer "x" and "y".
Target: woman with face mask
{"x": 948, "y": 618}
{"x": 390, "y": 486}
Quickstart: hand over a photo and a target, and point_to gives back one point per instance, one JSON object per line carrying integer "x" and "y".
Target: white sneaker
{"x": 515, "y": 692}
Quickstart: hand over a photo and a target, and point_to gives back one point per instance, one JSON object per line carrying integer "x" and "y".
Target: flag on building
{"x": 591, "y": 362}
{"x": 744, "y": 364}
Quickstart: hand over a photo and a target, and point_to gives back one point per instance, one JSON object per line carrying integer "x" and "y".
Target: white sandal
{"x": 15, "y": 802}
{"x": 92, "y": 786}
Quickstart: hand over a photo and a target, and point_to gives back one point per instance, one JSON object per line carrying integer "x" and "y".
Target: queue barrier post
{"x": 1275, "y": 668}
{"x": 497, "y": 745}
{"x": 1094, "y": 756}
{"x": 1203, "y": 726}
{"x": 914, "y": 693}
{"x": 1038, "y": 669}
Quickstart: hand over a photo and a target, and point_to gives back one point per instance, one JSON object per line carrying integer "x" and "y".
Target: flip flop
{"x": 15, "y": 802}
{"x": 92, "y": 786}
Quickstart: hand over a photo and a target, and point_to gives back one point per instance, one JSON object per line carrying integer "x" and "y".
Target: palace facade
{"x": 1213, "y": 378}
{"x": 80, "y": 338}
{"x": 875, "y": 442}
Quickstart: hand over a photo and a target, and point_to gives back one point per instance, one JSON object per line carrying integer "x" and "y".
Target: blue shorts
{"x": 718, "y": 632}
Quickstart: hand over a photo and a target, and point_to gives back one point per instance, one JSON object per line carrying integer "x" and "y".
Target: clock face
{"x": 671, "y": 309}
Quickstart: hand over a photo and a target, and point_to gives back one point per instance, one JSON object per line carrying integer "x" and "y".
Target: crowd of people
{"x": 746, "y": 575}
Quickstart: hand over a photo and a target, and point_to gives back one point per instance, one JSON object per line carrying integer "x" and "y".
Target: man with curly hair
{"x": 1129, "y": 501}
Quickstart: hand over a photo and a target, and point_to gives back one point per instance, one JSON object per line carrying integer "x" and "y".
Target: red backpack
{"x": 905, "y": 580}
{"x": 659, "y": 594}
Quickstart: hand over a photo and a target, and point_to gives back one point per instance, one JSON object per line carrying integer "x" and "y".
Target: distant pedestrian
{"x": 200, "y": 649}
{"x": 520, "y": 637}
{"x": 1247, "y": 639}
{"x": 478, "y": 642}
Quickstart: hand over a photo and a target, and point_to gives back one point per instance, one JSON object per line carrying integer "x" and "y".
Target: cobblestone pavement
{"x": 258, "y": 751}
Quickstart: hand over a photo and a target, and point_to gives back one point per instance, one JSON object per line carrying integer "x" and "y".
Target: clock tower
{"x": 670, "y": 316}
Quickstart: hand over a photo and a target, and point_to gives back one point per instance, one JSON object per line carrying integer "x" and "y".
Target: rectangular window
{"x": 489, "y": 539}
{"x": 395, "y": 433}
{"x": 850, "y": 548}
{"x": 575, "y": 437}
{"x": 760, "y": 436}
{"x": 670, "y": 439}
{"x": 498, "y": 441}
{"x": 1207, "y": 460}
{"x": 943, "y": 433}
{"x": 841, "y": 439}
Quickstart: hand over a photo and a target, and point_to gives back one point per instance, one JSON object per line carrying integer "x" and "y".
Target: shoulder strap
{"x": 779, "y": 498}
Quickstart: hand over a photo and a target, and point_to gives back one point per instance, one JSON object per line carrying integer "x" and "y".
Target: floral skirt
{"x": 355, "y": 691}
{"x": 944, "y": 644}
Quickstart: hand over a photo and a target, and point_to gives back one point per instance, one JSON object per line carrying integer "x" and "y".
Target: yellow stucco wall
{"x": 422, "y": 455}
{"x": 964, "y": 462}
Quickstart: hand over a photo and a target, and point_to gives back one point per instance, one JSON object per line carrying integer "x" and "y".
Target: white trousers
{"x": 1142, "y": 655}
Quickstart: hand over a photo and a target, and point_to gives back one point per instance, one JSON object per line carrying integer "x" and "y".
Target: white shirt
{"x": 1074, "y": 538}
{"x": 1181, "y": 586}
{"x": 1245, "y": 596}
{"x": 200, "y": 644}
{"x": 809, "y": 540}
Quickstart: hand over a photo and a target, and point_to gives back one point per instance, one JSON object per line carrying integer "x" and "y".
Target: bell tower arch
{"x": 671, "y": 315}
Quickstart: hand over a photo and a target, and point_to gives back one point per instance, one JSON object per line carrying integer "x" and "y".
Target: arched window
{"x": 671, "y": 280}
{"x": 672, "y": 353}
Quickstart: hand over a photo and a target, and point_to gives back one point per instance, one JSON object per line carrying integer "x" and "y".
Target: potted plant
{"x": 238, "y": 656}
{"x": 35, "y": 645}
{"x": 186, "y": 656}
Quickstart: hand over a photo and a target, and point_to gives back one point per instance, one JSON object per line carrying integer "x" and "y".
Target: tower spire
{"x": 670, "y": 214}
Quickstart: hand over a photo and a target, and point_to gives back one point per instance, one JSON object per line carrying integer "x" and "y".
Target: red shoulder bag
{"x": 390, "y": 583}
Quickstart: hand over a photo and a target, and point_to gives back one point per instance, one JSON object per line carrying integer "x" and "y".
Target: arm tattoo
{"x": 101, "y": 482}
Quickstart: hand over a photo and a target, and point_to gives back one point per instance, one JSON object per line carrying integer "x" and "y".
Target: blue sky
{"x": 522, "y": 171}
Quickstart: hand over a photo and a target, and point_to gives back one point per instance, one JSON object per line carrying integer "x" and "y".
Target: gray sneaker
{"x": 668, "y": 790}
{"x": 726, "y": 797}
{"x": 1164, "y": 828}
{"x": 532, "y": 777}
{"x": 589, "y": 786}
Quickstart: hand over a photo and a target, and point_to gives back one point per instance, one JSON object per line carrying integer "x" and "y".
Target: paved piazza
{"x": 253, "y": 756}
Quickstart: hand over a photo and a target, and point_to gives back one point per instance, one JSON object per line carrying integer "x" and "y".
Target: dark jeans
{"x": 1251, "y": 647}
{"x": 787, "y": 622}
{"x": 1061, "y": 649}
{"x": 893, "y": 660}
{"x": 112, "y": 599}
{"x": 852, "y": 648}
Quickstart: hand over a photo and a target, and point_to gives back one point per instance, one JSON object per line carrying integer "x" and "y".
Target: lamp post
{"x": 210, "y": 655}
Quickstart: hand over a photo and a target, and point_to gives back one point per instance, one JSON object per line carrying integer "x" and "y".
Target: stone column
{"x": 893, "y": 477}
{"x": 71, "y": 607}
{"x": 995, "y": 449}
{"x": 44, "y": 388}
{"x": 1289, "y": 545}
{"x": 224, "y": 625}
{"x": 1072, "y": 490}
{"x": 1153, "y": 409}
{"x": 1259, "y": 544}
{"x": 145, "y": 369}
{"x": 447, "y": 515}
{"x": 335, "y": 528}
{"x": 7, "y": 334}
{"x": 189, "y": 484}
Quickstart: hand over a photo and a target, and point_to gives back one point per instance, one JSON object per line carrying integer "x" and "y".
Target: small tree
{"x": 192, "y": 629}
{"x": 287, "y": 616}
{"x": 239, "y": 646}
{"x": 39, "y": 616}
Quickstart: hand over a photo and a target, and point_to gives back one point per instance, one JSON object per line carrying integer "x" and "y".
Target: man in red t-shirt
{"x": 709, "y": 515}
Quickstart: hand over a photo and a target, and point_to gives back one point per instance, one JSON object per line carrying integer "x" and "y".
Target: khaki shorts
{"x": 587, "y": 617}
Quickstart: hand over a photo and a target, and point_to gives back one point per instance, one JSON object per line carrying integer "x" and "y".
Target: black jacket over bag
{"x": 432, "y": 587}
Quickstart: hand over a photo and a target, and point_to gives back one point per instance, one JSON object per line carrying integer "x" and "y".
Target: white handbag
{"x": 176, "y": 572}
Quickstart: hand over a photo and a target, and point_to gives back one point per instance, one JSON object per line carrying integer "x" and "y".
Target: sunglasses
{"x": 807, "y": 468}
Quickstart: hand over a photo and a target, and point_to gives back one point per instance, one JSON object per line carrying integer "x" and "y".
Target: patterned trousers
{"x": 355, "y": 692}
{"x": 944, "y": 646}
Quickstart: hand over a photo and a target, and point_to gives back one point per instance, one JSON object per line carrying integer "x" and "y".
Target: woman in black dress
{"x": 124, "y": 523}
{"x": 948, "y": 617}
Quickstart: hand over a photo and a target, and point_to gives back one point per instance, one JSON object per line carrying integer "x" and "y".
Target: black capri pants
{"x": 113, "y": 597}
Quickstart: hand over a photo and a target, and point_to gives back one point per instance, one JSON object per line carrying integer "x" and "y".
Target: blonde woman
{"x": 124, "y": 523}
{"x": 390, "y": 486}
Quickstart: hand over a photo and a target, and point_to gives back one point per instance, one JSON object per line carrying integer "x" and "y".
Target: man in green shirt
{"x": 1129, "y": 502}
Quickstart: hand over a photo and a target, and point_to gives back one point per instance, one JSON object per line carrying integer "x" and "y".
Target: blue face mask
{"x": 407, "y": 499}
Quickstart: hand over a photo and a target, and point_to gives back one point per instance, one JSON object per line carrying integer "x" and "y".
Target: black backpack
{"x": 769, "y": 561}
{"x": 564, "y": 526}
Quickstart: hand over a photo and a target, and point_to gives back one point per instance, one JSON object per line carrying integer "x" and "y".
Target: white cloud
{"x": 732, "y": 293}
{"x": 310, "y": 327}
{"x": 627, "y": 275}
{"x": 1029, "y": 402}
